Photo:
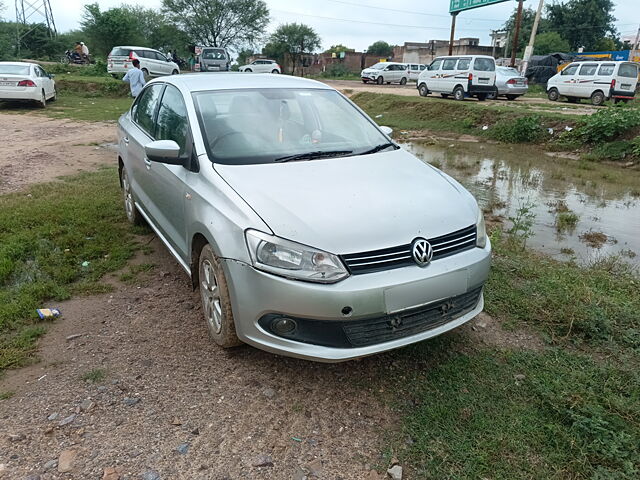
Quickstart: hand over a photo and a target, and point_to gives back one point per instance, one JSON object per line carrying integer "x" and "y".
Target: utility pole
{"x": 529, "y": 50}
{"x": 636, "y": 44}
{"x": 453, "y": 31}
{"x": 514, "y": 48}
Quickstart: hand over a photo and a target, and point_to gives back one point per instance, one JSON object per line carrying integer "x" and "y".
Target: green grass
{"x": 566, "y": 221}
{"x": 95, "y": 375}
{"x": 46, "y": 234}
{"x": 6, "y": 395}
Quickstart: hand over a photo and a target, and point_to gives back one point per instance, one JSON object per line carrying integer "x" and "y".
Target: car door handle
{"x": 126, "y": 140}
{"x": 147, "y": 162}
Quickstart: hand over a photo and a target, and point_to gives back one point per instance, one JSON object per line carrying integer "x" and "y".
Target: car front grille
{"x": 395, "y": 257}
{"x": 392, "y": 327}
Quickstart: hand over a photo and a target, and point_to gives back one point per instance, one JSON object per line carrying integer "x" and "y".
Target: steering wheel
{"x": 213, "y": 144}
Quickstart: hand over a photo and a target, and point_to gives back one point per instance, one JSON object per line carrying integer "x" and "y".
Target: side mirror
{"x": 164, "y": 151}
{"x": 51, "y": 75}
{"x": 387, "y": 130}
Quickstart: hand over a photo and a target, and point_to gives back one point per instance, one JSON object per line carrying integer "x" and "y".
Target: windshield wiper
{"x": 377, "y": 148}
{"x": 312, "y": 155}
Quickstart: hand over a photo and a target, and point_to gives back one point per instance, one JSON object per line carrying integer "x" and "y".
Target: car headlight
{"x": 293, "y": 260}
{"x": 481, "y": 230}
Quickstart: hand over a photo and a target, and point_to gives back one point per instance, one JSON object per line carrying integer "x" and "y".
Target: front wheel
{"x": 248, "y": 70}
{"x": 175, "y": 72}
{"x": 423, "y": 90}
{"x": 275, "y": 71}
{"x": 380, "y": 81}
{"x": 216, "y": 303}
{"x": 553, "y": 95}
{"x": 403, "y": 81}
{"x": 130, "y": 209}
{"x": 458, "y": 93}
{"x": 597, "y": 98}
{"x": 43, "y": 100}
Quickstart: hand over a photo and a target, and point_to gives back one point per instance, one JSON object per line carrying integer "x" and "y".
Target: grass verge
{"x": 56, "y": 239}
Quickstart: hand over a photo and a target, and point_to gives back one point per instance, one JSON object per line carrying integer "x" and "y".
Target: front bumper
{"x": 378, "y": 297}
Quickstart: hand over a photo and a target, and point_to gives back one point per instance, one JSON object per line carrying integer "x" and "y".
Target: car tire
{"x": 493, "y": 95}
{"x": 423, "y": 90}
{"x": 458, "y": 93}
{"x": 380, "y": 80}
{"x": 553, "y": 95}
{"x": 512, "y": 97}
{"x": 248, "y": 70}
{"x": 216, "y": 303}
{"x": 54, "y": 97}
{"x": 403, "y": 81}
{"x": 43, "y": 100}
{"x": 275, "y": 71}
{"x": 133, "y": 215}
{"x": 597, "y": 98}
{"x": 175, "y": 72}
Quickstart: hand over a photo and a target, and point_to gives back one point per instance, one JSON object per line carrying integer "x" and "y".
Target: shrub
{"x": 520, "y": 130}
{"x": 608, "y": 124}
{"x": 337, "y": 70}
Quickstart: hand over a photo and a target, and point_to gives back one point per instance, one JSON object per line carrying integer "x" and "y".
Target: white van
{"x": 386, "y": 72}
{"x": 461, "y": 76}
{"x": 414, "y": 70}
{"x": 598, "y": 81}
{"x": 153, "y": 63}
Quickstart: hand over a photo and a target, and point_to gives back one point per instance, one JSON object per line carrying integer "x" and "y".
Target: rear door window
{"x": 484, "y": 65}
{"x": 588, "y": 69}
{"x": 144, "y": 110}
{"x": 606, "y": 69}
{"x": 628, "y": 70}
{"x": 464, "y": 63}
{"x": 449, "y": 64}
{"x": 120, "y": 52}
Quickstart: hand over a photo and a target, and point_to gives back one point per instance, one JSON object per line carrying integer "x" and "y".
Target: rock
{"x": 50, "y": 464}
{"x": 315, "y": 467}
{"x": 183, "y": 448}
{"x": 73, "y": 337}
{"x": 68, "y": 420}
{"x": 18, "y": 437}
{"x": 112, "y": 473}
{"x": 176, "y": 421}
{"x": 102, "y": 388}
{"x": 263, "y": 461}
{"x": 150, "y": 475}
{"x": 195, "y": 431}
{"x": 131, "y": 401}
{"x": 87, "y": 405}
{"x": 519, "y": 376}
{"x": 269, "y": 392}
{"x": 66, "y": 460}
{"x": 395, "y": 472}
{"x": 53, "y": 416}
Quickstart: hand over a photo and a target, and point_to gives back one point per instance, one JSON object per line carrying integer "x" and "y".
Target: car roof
{"x": 197, "y": 82}
{"x": 134, "y": 48}
{"x": 22, "y": 64}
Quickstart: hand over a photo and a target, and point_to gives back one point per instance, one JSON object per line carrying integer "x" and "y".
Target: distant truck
{"x": 212, "y": 59}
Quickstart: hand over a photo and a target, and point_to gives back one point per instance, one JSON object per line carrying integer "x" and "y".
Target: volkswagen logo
{"x": 422, "y": 252}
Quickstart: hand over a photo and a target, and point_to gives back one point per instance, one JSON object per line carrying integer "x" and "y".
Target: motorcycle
{"x": 73, "y": 57}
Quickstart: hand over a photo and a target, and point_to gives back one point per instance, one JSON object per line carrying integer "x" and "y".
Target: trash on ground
{"x": 85, "y": 264}
{"x": 47, "y": 313}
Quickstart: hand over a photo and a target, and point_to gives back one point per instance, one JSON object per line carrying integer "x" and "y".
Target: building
{"x": 413, "y": 52}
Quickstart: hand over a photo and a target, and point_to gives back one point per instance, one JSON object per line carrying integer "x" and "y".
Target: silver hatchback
{"x": 306, "y": 229}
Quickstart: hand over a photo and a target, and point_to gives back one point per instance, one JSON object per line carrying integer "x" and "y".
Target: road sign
{"x": 460, "y": 5}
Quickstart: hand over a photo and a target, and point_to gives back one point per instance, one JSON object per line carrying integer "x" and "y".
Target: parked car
{"x": 26, "y": 81}
{"x": 509, "y": 83}
{"x": 153, "y": 63}
{"x": 214, "y": 59}
{"x": 461, "y": 76}
{"x": 599, "y": 81}
{"x": 306, "y": 229}
{"x": 414, "y": 70}
{"x": 386, "y": 72}
{"x": 261, "y": 65}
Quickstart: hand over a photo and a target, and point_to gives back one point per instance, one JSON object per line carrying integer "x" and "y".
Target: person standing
{"x": 135, "y": 78}
{"x": 192, "y": 62}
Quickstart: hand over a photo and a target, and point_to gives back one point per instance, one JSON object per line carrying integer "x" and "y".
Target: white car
{"x": 26, "y": 81}
{"x": 598, "y": 81}
{"x": 461, "y": 76}
{"x": 261, "y": 65}
{"x": 386, "y": 72}
{"x": 153, "y": 63}
{"x": 414, "y": 70}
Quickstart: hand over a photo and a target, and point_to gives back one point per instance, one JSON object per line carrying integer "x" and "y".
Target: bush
{"x": 521, "y": 130}
{"x": 608, "y": 124}
{"x": 337, "y": 70}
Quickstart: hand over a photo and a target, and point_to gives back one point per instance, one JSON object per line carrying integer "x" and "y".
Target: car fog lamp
{"x": 283, "y": 325}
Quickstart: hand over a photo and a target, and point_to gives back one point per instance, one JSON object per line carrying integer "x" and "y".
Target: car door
{"x": 447, "y": 80}
{"x": 566, "y": 85}
{"x": 604, "y": 77}
{"x": 584, "y": 85}
{"x": 432, "y": 75}
{"x": 139, "y": 134}
{"x": 47, "y": 82}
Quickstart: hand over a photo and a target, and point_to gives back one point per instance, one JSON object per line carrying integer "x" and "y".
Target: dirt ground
{"x": 532, "y": 104}
{"x": 172, "y": 405}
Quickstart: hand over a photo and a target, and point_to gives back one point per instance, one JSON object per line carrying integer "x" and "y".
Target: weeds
{"x": 608, "y": 124}
{"x": 520, "y": 130}
{"x": 522, "y": 225}
{"x": 95, "y": 375}
{"x": 566, "y": 221}
{"x": 6, "y": 395}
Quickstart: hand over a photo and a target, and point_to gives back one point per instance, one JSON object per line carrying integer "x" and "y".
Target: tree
{"x": 243, "y": 55}
{"x": 381, "y": 49}
{"x": 583, "y": 23}
{"x": 294, "y": 40}
{"x": 550, "y": 42}
{"x": 116, "y": 26}
{"x": 526, "y": 25}
{"x": 338, "y": 48}
{"x": 220, "y": 23}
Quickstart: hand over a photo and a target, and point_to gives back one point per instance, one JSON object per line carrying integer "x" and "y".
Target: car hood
{"x": 354, "y": 204}
{"x": 369, "y": 71}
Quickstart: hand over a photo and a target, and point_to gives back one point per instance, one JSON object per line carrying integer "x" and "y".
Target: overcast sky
{"x": 358, "y": 23}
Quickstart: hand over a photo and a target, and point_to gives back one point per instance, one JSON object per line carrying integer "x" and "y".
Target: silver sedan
{"x": 509, "y": 83}
{"x": 307, "y": 231}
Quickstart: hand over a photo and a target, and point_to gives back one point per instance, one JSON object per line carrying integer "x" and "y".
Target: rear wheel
{"x": 380, "y": 80}
{"x": 175, "y": 72}
{"x": 458, "y": 93}
{"x": 403, "y": 81}
{"x": 493, "y": 95}
{"x": 275, "y": 71}
{"x": 423, "y": 90}
{"x": 512, "y": 97}
{"x": 597, "y": 98}
{"x": 216, "y": 303}
{"x": 553, "y": 95}
{"x": 43, "y": 100}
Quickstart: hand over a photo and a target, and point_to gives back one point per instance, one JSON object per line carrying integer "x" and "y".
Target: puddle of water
{"x": 606, "y": 199}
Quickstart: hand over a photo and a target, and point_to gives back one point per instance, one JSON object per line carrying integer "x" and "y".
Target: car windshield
{"x": 14, "y": 69}
{"x": 379, "y": 66}
{"x": 251, "y": 126}
{"x": 214, "y": 55}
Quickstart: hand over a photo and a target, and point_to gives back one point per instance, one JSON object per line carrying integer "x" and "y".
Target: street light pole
{"x": 514, "y": 48}
{"x": 529, "y": 50}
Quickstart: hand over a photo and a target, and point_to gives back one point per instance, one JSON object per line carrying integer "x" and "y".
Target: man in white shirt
{"x": 135, "y": 78}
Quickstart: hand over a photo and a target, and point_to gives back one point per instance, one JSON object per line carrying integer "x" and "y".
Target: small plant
{"x": 567, "y": 251}
{"x": 95, "y": 376}
{"x": 6, "y": 395}
{"x": 522, "y": 224}
{"x": 521, "y": 130}
{"x": 608, "y": 124}
{"x": 566, "y": 221}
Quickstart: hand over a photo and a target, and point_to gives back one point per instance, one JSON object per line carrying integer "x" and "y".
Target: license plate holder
{"x": 7, "y": 84}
